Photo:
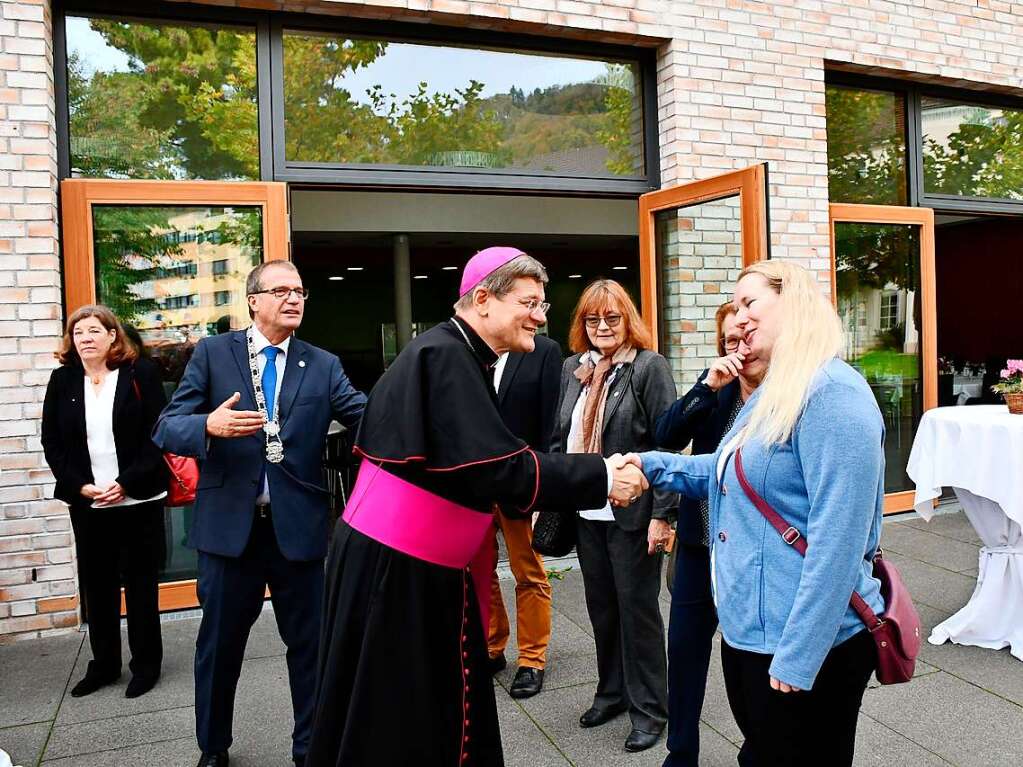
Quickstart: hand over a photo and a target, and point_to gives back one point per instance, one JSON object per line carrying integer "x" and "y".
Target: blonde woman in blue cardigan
{"x": 796, "y": 657}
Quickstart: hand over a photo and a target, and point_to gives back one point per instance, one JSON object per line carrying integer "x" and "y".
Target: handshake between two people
{"x": 627, "y": 479}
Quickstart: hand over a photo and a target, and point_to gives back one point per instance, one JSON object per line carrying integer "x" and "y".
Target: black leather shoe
{"x": 140, "y": 685}
{"x": 497, "y": 663}
{"x": 594, "y": 717}
{"x": 640, "y": 740}
{"x": 93, "y": 681}
{"x": 215, "y": 759}
{"x": 527, "y": 683}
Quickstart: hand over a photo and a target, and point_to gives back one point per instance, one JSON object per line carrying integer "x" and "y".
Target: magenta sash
{"x": 416, "y": 522}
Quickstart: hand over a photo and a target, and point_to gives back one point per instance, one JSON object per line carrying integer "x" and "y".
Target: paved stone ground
{"x": 964, "y": 708}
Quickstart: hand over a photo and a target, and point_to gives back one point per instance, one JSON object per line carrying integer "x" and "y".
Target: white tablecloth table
{"x": 978, "y": 451}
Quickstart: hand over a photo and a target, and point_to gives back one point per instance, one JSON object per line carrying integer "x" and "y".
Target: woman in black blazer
{"x": 703, "y": 416}
{"x": 612, "y": 390}
{"x": 98, "y": 415}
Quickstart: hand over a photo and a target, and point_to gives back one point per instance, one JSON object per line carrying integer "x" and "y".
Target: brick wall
{"x": 701, "y": 250}
{"x": 37, "y": 578}
{"x": 738, "y": 82}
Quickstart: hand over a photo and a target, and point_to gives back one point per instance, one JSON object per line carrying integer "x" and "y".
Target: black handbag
{"x": 554, "y": 533}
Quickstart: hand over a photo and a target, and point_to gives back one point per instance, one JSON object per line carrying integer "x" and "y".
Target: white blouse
{"x": 603, "y": 514}
{"x": 99, "y": 433}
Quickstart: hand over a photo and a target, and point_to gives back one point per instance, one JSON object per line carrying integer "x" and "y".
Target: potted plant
{"x": 1011, "y": 385}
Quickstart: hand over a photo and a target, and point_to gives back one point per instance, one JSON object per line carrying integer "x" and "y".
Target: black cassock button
{"x": 722, "y": 536}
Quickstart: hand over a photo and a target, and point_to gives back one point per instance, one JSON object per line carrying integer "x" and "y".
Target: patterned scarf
{"x": 595, "y": 376}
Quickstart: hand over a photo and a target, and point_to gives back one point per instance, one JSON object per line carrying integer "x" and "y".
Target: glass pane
{"x": 699, "y": 248}
{"x": 971, "y": 150}
{"x": 150, "y": 100}
{"x": 360, "y": 101}
{"x": 866, "y": 146}
{"x": 877, "y": 277}
{"x": 176, "y": 274}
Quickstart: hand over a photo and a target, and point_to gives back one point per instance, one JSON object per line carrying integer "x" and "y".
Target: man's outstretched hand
{"x": 627, "y": 480}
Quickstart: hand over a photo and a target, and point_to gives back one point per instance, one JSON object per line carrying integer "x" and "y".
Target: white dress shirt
{"x": 603, "y": 514}
{"x": 499, "y": 366}
{"x": 259, "y": 343}
{"x": 99, "y": 435}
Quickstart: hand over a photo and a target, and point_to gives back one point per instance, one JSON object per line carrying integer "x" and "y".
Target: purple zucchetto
{"x": 485, "y": 263}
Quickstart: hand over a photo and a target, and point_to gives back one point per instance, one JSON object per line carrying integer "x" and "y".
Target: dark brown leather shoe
{"x": 527, "y": 683}
{"x": 640, "y": 740}
{"x": 594, "y": 717}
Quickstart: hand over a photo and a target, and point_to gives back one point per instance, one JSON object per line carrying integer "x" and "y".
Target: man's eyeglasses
{"x": 611, "y": 320}
{"x": 532, "y": 304}
{"x": 283, "y": 293}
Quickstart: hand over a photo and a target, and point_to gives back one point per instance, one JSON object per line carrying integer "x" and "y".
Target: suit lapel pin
{"x": 301, "y": 363}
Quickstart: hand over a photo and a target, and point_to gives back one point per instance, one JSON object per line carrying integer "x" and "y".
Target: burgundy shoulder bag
{"x": 897, "y": 635}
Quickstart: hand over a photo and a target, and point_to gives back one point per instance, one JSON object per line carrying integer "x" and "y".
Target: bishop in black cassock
{"x": 403, "y": 674}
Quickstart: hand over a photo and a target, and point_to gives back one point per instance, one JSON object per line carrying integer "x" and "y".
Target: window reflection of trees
{"x": 183, "y": 105}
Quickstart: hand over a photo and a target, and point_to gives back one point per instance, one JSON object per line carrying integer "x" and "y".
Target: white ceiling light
{"x": 335, "y": 278}
{"x": 619, "y": 268}
{"x": 420, "y": 277}
{"x": 359, "y": 268}
{"x": 574, "y": 276}
{"x": 450, "y": 268}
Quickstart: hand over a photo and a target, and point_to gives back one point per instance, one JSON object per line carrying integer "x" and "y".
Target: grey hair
{"x": 500, "y": 282}
{"x": 254, "y": 282}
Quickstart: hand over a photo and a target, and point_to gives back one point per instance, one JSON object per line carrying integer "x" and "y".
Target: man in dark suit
{"x": 527, "y": 394}
{"x": 261, "y": 510}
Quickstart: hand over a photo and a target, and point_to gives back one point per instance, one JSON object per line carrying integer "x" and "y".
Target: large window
{"x": 866, "y": 145}
{"x": 164, "y": 101}
{"x": 358, "y": 101}
{"x": 970, "y": 150}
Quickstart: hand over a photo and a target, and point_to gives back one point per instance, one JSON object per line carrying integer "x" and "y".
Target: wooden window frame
{"x": 78, "y": 196}
{"x": 749, "y": 184}
{"x": 854, "y": 213}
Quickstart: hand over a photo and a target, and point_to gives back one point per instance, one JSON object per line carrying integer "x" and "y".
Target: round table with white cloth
{"x": 978, "y": 451}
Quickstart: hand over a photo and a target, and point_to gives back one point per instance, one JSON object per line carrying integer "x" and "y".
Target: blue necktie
{"x": 269, "y": 380}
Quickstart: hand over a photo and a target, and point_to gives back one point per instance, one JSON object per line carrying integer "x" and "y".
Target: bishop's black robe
{"x": 403, "y": 677}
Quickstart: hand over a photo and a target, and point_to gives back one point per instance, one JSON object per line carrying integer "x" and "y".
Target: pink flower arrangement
{"x": 1012, "y": 378}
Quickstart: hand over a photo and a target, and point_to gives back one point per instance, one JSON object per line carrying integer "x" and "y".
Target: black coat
{"x": 138, "y": 400}
{"x": 528, "y": 393}
{"x": 698, "y": 417}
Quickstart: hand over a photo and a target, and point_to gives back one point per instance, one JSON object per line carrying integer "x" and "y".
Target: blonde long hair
{"x": 810, "y": 335}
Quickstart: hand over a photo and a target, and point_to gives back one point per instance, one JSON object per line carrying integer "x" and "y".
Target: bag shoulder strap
{"x": 795, "y": 539}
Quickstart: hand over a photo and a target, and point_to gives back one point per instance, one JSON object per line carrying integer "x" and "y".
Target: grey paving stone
{"x": 264, "y": 639}
{"x": 119, "y": 732}
{"x": 931, "y": 547}
{"x": 993, "y": 670}
{"x": 34, "y": 676}
{"x": 525, "y": 744}
{"x": 24, "y": 744}
{"x": 558, "y": 715}
{"x": 174, "y": 690}
{"x": 716, "y": 712}
{"x": 179, "y": 752}
{"x": 880, "y": 746}
{"x": 934, "y": 586}
{"x": 954, "y": 525}
{"x": 951, "y": 718}
{"x": 263, "y": 715}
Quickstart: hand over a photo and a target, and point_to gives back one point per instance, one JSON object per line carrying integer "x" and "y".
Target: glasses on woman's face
{"x": 731, "y": 344}
{"x": 611, "y": 320}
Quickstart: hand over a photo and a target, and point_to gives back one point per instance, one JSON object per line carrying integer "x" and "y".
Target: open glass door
{"x": 170, "y": 259}
{"x": 883, "y": 288}
{"x": 694, "y": 240}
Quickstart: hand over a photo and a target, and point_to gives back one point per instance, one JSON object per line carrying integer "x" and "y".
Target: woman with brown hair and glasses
{"x": 100, "y": 408}
{"x": 613, "y": 388}
{"x": 701, "y": 418}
